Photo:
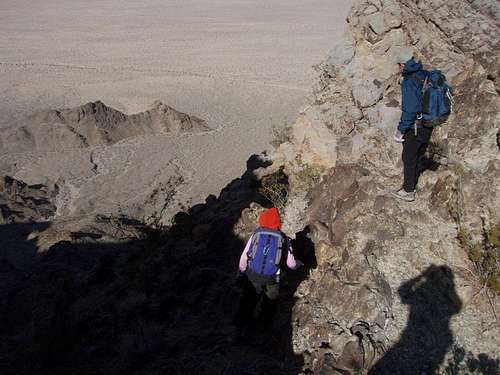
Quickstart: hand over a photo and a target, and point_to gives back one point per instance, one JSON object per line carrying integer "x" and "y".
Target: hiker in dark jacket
{"x": 411, "y": 130}
{"x": 260, "y": 263}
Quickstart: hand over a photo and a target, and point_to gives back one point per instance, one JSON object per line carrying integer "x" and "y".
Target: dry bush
{"x": 275, "y": 188}
{"x": 160, "y": 199}
{"x": 281, "y": 134}
{"x": 308, "y": 177}
{"x": 438, "y": 152}
{"x": 485, "y": 255}
{"x": 153, "y": 225}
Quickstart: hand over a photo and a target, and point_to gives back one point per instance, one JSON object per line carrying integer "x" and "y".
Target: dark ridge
{"x": 23, "y": 203}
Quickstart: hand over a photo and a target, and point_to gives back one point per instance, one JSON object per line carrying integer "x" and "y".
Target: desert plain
{"x": 242, "y": 66}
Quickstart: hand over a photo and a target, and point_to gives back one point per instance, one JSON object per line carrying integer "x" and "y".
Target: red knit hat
{"x": 270, "y": 219}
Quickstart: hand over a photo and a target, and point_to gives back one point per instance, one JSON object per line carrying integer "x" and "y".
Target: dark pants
{"x": 413, "y": 152}
{"x": 257, "y": 288}
{"x": 264, "y": 284}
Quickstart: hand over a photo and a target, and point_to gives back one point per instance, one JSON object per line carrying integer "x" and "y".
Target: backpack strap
{"x": 423, "y": 82}
{"x": 415, "y": 77}
{"x": 253, "y": 247}
{"x": 425, "y": 85}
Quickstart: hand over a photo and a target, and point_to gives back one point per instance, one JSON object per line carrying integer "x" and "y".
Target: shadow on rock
{"x": 164, "y": 304}
{"x": 427, "y": 337}
{"x": 463, "y": 362}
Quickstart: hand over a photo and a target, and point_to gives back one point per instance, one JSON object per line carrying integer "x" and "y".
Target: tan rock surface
{"x": 395, "y": 287}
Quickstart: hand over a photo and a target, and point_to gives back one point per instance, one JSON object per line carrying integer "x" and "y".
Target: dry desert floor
{"x": 242, "y": 65}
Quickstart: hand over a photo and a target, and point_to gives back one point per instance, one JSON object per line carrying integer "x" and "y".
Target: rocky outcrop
{"x": 22, "y": 203}
{"x": 93, "y": 124}
{"x": 383, "y": 264}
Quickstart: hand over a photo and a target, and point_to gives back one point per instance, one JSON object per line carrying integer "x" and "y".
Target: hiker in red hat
{"x": 261, "y": 259}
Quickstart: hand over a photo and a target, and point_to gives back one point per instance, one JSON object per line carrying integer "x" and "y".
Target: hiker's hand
{"x": 398, "y": 136}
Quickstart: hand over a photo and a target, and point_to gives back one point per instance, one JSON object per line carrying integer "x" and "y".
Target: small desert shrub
{"x": 459, "y": 169}
{"x": 122, "y": 229}
{"x": 308, "y": 176}
{"x": 161, "y": 199}
{"x": 275, "y": 188}
{"x": 438, "y": 152}
{"x": 485, "y": 255}
{"x": 281, "y": 134}
{"x": 437, "y": 147}
{"x": 120, "y": 226}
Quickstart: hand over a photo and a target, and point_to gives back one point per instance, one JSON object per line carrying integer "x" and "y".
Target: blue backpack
{"x": 264, "y": 255}
{"x": 437, "y": 99}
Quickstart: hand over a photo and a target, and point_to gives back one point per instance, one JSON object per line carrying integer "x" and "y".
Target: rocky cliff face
{"x": 396, "y": 288}
{"x": 22, "y": 203}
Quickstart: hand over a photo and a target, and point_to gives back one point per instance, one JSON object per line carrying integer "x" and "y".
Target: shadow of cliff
{"x": 160, "y": 305}
{"x": 432, "y": 302}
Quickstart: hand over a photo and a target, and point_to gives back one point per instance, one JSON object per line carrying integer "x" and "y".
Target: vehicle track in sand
{"x": 30, "y": 66}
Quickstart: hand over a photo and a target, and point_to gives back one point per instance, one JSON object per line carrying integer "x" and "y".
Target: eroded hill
{"x": 92, "y": 124}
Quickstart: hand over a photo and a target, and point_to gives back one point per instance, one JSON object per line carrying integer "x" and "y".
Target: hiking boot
{"x": 404, "y": 195}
